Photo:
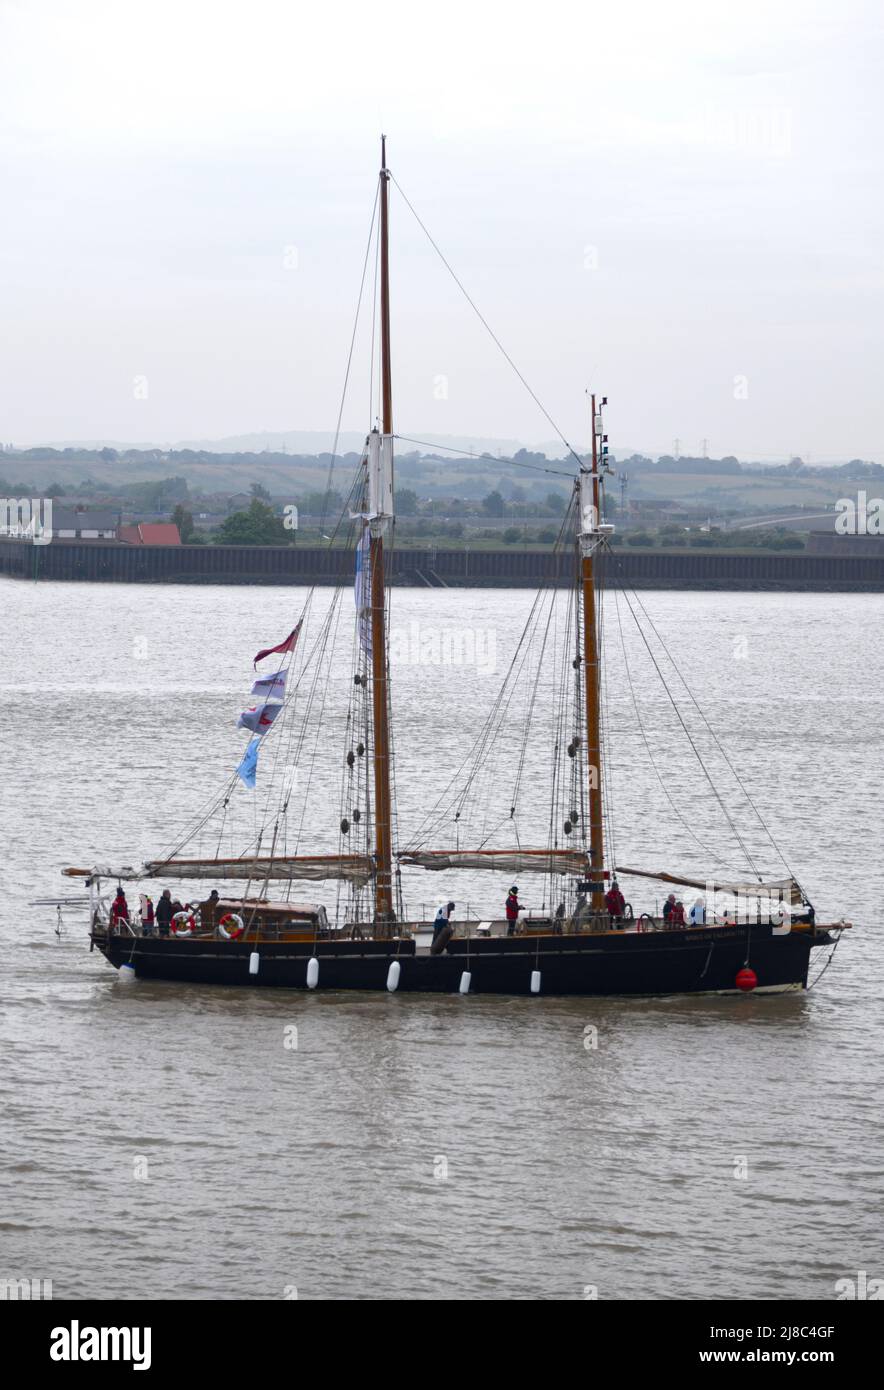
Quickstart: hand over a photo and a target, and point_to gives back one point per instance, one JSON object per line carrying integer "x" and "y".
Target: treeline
{"x": 415, "y": 464}
{"x": 728, "y": 466}
{"x": 154, "y": 495}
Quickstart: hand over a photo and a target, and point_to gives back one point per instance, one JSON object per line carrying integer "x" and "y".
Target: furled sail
{"x": 779, "y": 887}
{"x": 354, "y": 868}
{"x": 536, "y": 861}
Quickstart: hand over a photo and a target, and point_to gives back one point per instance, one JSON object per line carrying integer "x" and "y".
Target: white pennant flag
{"x": 271, "y": 687}
{"x": 363, "y": 588}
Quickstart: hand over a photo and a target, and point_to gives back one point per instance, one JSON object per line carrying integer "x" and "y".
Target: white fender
{"x": 127, "y": 973}
{"x": 393, "y": 976}
{"x": 535, "y": 981}
{"x": 254, "y": 962}
{"x": 312, "y": 973}
{"x": 465, "y": 982}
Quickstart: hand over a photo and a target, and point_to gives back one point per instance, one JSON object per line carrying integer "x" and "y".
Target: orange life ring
{"x": 239, "y": 926}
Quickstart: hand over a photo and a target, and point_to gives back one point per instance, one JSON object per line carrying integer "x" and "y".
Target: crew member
{"x": 442, "y": 918}
{"x": 147, "y": 914}
{"x": 119, "y": 908}
{"x": 513, "y": 909}
{"x": 614, "y": 900}
{"x": 164, "y": 913}
{"x": 676, "y": 916}
{"x": 668, "y": 906}
{"x": 209, "y": 911}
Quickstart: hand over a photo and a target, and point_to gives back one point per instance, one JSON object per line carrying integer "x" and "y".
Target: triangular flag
{"x": 286, "y": 646}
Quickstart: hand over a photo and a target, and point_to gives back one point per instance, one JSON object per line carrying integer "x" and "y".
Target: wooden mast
{"x": 380, "y": 694}
{"x": 589, "y": 532}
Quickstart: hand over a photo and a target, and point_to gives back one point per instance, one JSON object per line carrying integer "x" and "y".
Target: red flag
{"x": 287, "y": 646}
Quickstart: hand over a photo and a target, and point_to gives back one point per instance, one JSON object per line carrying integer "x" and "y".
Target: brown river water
{"x": 168, "y": 1142}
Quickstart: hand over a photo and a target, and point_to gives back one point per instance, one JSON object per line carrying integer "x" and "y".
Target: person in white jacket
{"x": 442, "y": 918}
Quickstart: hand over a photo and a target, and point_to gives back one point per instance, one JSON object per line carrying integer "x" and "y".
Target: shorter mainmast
{"x": 590, "y": 536}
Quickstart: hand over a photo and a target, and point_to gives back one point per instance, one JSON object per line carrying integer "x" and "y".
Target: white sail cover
{"x": 786, "y": 889}
{"x": 535, "y": 861}
{"x": 354, "y": 868}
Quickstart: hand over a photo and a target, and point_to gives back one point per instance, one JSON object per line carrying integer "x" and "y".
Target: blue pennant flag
{"x": 248, "y": 768}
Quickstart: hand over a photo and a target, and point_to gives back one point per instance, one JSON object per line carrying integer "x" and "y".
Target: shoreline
{"x": 98, "y": 562}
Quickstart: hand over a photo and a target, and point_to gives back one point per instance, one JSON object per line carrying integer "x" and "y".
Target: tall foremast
{"x": 591, "y": 534}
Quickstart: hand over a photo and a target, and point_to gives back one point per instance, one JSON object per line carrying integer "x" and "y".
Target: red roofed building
{"x": 150, "y": 533}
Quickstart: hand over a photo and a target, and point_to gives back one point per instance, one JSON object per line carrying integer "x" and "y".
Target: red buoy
{"x": 746, "y": 979}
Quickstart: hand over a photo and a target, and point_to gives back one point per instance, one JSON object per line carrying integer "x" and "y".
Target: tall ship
{"x": 549, "y": 823}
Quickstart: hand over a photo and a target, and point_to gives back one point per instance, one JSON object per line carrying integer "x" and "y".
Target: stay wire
{"x": 484, "y": 321}
{"x": 716, "y": 740}
{"x": 718, "y": 797}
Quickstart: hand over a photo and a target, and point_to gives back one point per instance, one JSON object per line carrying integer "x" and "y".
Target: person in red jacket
{"x": 614, "y": 900}
{"x": 119, "y": 909}
{"x": 676, "y": 916}
{"x": 512, "y": 911}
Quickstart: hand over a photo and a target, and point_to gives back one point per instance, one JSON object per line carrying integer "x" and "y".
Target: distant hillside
{"x": 527, "y": 477}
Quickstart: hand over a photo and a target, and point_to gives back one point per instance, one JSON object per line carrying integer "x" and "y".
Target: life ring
{"x": 183, "y": 923}
{"x": 239, "y": 926}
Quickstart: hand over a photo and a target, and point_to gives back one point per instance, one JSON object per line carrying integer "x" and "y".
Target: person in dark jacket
{"x": 668, "y": 906}
{"x": 208, "y": 911}
{"x": 164, "y": 913}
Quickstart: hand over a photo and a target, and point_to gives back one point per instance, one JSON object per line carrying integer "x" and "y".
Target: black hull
{"x": 651, "y": 963}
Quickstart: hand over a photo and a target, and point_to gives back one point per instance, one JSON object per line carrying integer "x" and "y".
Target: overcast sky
{"x": 679, "y": 204}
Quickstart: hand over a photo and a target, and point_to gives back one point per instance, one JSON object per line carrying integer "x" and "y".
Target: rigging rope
{"x": 497, "y": 458}
{"x": 643, "y": 732}
{"x": 484, "y": 322}
{"x": 716, "y": 740}
{"x": 691, "y": 741}
{"x": 828, "y": 962}
{"x": 331, "y": 465}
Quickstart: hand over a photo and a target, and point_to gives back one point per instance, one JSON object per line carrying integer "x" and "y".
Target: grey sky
{"x": 680, "y": 205}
